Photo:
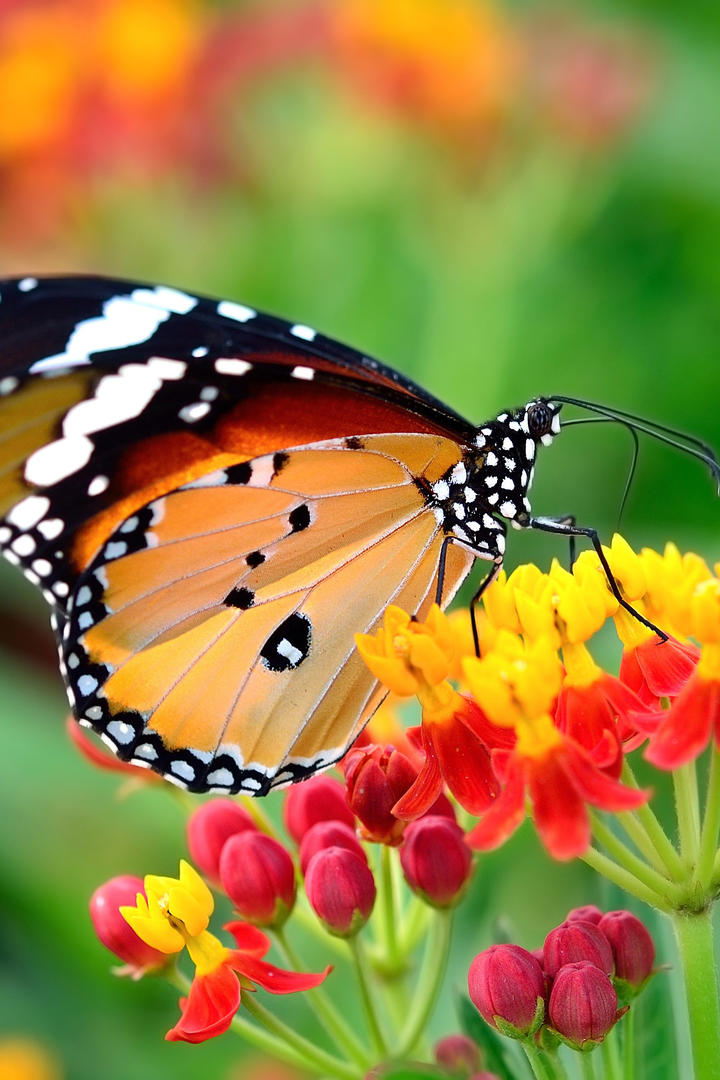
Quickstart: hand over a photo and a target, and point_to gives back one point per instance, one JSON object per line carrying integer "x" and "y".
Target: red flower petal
{"x": 490, "y": 734}
{"x": 595, "y": 786}
{"x": 425, "y": 789}
{"x": 666, "y": 665}
{"x": 276, "y": 980}
{"x": 504, "y": 816}
{"x": 208, "y": 1009}
{"x": 465, "y": 764}
{"x": 686, "y": 727}
{"x": 250, "y": 939}
{"x": 558, "y": 809}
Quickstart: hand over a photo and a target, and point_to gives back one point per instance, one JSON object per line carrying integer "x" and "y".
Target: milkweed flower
{"x": 174, "y": 915}
{"x": 517, "y": 685}
{"x": 416, "y": 658}
{"x": 694, "y": 716}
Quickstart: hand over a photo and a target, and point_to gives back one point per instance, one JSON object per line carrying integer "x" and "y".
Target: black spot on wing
{"x": 239, "y": 474}
{"x": 280, "y": 460}
{"x": 289, "y": 645}
{"x": 255, "y": 558}
{"x": 299, "y": 518}
{"x": 353, "y": 443}
{"x": 240, "y": 598}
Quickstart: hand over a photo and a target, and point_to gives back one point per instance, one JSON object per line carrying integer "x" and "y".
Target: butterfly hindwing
{"x": 211, "y": 638}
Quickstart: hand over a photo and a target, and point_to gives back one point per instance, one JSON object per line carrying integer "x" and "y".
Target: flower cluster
{"x": 147, "y": 923}
{"x": 537, "y": 715}
{"x": 574, "y": 989}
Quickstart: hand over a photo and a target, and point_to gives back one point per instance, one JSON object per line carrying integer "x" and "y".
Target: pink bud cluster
{"x": 576, "y": 987}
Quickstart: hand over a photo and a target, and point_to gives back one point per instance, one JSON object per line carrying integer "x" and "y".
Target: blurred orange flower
{"x": 22, "y": 1058}
{"x": 451, "y": 64}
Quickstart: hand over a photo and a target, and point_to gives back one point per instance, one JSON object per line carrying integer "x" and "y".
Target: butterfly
{"x": 213, "y": 501}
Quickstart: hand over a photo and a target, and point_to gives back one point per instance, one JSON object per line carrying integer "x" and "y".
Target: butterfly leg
{"x": 568, "y": 519}
{"x": 486, "y": 581}
{"x": 562, "y": 527}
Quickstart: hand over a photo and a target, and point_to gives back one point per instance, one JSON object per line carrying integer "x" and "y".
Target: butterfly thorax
{"x": 489, "y": 486}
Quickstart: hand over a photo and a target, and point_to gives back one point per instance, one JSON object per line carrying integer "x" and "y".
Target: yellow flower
{"x": 515, "y": 680}
{"x": 176, "y": 910}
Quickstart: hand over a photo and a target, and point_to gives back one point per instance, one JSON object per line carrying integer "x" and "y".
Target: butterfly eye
{"x": 540, "y": 418}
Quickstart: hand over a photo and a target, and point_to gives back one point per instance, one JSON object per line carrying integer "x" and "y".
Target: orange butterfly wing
{"x": 212, "y": 637}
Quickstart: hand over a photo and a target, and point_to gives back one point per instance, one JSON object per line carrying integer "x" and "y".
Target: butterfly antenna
{"x": 678, "y": 440}
{"x": 636, "y": 450}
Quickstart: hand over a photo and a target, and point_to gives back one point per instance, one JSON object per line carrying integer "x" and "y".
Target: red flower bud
{"x": 583, "y": 1004}
{"x": 319, "y": 799}
{"x": 341, "y": 890}
{"x": 115, "y": 933}
{"x": 376, "y": 777}
{"x": 572, "y": 942}
{"x": 258, "y": 875}
{"x": 328, "y": 834}
{"x": 458, "y": 1054}
{"x": 507, "y": 987}
{"x": 631, "y": 945}
{"x": 209, "y": 827}
{"x": 436, "y": 860}
{"x": 442, "y": 807}
{"x": 588, "y": 913}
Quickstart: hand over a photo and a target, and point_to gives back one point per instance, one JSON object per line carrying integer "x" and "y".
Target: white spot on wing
{"x": 238, "y": 312}
{"x": 120, "y": 732}
{"x": 58, "y": 459}
{"x": 166, "y": 369}
{"x": 288, "y": 650}
{"x": 230, "y": 366}
{"x": 28, "y": 512}
{"x": 27, "y": 284}
{"x": 8, "y": 384}
{"x": 192, "y": 413}
{"x": 98, "y": 485}
{"x": 50, "y": 528}
{"x": 23, "y": 546}
{"x": 305, "y": 332}
{"x": 301, "y": 372}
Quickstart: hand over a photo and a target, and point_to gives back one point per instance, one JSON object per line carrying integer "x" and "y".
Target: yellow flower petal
{"x": 705, "y": 612}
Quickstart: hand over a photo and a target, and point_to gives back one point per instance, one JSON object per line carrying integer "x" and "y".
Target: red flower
{"x": 341, "y": 889}
{"x": 436, "y": 860}
{"x": 214, "y": 997}
{"x": 507, "y": 986}
{"x": 258, "y": 875}
{"x": 599, "y": 715}
{"x": 327, "y": 834}
{"x": 560, "y": 778}
{"x": 376, "y": 777}
{"x": 113, "y": 931}
{"x": 319, "y": 799}
{"x": 688, "y": 726}
{"x": 457, "y": 752}
{"x": 210, "y": 827}
{"x": 583, "y": 1005}
{"x": 655, "y": 669}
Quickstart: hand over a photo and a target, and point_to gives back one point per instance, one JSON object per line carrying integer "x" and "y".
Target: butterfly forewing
{"x": 212, "y": 636}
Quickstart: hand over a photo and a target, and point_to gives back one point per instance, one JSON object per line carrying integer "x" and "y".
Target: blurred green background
{"x": 499, "y": 199}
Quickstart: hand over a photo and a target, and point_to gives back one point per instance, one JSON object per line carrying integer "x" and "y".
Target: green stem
{"x": 624, "y": 879}
{"x": 342, "y": 1033}
{"x": 302, "y": 916}
{"x": 628, "y": 1030}
{"x": 259, "y": 816}
{"x": 611, "y": 1057}
{"x": 416, "y": 920}
{"x": 368, "y": 1006}
{"x": 638, "y": 834}
{"x": 542, "y": 1067}
{"x": 622, "y": 855}
{"x": 587, "y": 1066}
{"x": 658, "y": 836}
{"x": 318, "y": 1059}
{"x": 694, "y": 936}
{"x": 432, "y": 972}
{"x": 711, "y": 825}
{"x": 389, "y": 918}
{"x": 687, "y": 807}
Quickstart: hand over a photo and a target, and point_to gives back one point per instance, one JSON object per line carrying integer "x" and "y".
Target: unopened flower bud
{"x": 115, "y": 933}
{"x": 209, "y": 827}
{"x": 436, "y": 860}
{"x": 587, "y": 913}
{"x": 376, "y": 778}
{"x": 258, "y": 875}
{"x": 319, "y": 799}
{"x": 583, "y": 1004}
{"x": 458, "y": 1054}
{"x": 507, "y": 987}
{"x": 632, "y": 947}
{"x": 328, "y": 834}
{"x": 341, "y": 890}
{"x": 572, "y": 942}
